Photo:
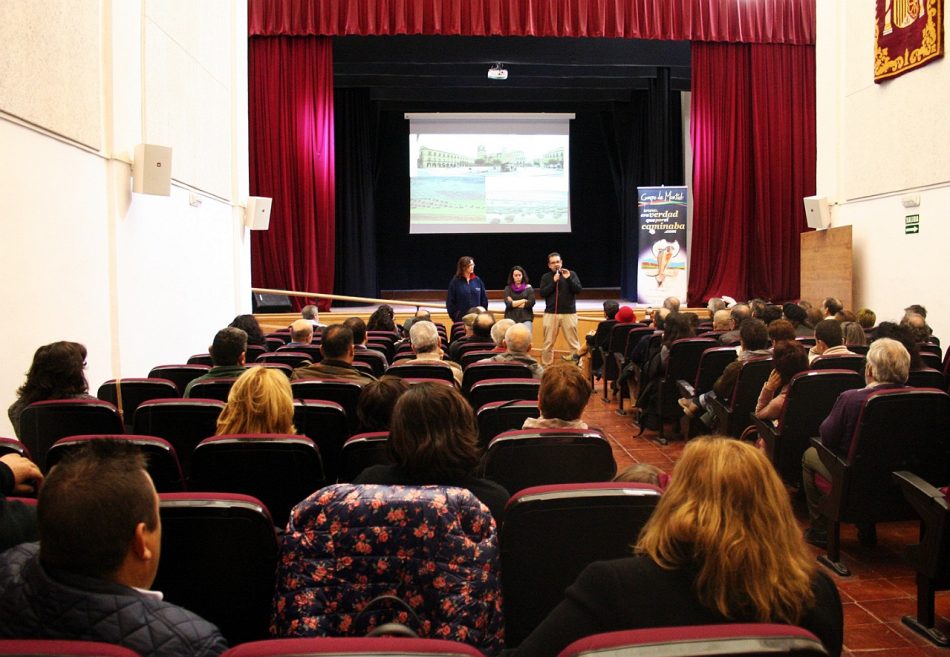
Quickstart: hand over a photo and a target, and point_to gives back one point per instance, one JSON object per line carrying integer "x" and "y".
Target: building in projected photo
{"x": 430, "y": 158}
{"x": 553, "y": 159}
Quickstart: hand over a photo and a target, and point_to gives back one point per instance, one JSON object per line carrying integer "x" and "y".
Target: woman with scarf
{"x": 519, "y": 297}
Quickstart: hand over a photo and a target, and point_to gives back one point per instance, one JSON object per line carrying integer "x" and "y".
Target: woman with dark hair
{"x": 382, "y": 319}
{"x": 519, "y": 297}
{"x": 374, "y": 409}
{"x": 788, "y": 359}
{"x": 903, "y": 335}
{"x": 721, "y": 546}
{"x": 56, "y": 373}
{"x": 466, "y": 290}
{"x": 433, "y": 440}
{"x": 854, "y": 335}
{"x": 249, "y": 324}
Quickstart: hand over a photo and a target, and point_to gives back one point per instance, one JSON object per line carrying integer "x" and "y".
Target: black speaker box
{"x": 271, "y": 303}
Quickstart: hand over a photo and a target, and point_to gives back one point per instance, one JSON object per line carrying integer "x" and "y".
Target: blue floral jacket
{"x": 434, "y": 547}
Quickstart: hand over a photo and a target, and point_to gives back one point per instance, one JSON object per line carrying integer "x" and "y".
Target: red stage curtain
{"x": 762, "y": 21}
{"x": 753, "y": 135}
{"x": 290, "y": 101}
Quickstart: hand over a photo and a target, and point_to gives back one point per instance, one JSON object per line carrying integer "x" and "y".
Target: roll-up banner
{"x": 662, "y": 258}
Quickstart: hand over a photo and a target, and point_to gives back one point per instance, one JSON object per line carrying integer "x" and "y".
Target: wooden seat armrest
{"x": 930, "y": 504}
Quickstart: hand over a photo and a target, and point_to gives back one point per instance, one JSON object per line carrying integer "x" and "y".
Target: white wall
{"x": 876, "y": 144}
{"x": 140, "y": 280}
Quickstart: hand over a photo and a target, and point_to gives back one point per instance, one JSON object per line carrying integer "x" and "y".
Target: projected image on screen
{"x": 488, "y": 174}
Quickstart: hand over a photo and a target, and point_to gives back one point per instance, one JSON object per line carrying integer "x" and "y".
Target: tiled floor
{"x": 879, "y": 592}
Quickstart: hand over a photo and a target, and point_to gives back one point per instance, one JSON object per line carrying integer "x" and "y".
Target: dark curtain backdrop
{"x": 753, "y": 135}
{"x": 290, "y": 121}
{"x": 763, "y": 21}
{"x": 356, "y": 159}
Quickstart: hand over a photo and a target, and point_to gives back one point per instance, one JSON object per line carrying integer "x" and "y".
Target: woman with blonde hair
{"x": 722, "y": 546}
{"x": 260, "y": 401}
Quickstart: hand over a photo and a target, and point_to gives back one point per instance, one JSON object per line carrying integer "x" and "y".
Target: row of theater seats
{"x": 696, "y": 363}
{"x": 281, "y": 470}
{"x": 740, "y": 639}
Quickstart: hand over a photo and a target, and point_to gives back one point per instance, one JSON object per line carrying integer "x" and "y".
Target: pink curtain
{"x": 290, "y": 100}
{"x": 762, "y": 21}
{"x": 753, "y": 134}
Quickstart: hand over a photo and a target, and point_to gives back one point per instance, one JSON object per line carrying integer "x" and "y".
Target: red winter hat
{"x": 625, "y": 315}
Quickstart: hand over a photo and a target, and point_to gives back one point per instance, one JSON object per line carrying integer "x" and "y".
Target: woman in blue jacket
{"x": 466, "y": 290}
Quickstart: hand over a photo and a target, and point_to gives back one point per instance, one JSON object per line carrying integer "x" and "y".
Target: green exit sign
{"x": 912, "y": 224}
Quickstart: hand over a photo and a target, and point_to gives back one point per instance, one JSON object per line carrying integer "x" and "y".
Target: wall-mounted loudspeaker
{"x": 257, "y": 214}
{"x": 817, "y": 212}
{"x": 152, "y": 170}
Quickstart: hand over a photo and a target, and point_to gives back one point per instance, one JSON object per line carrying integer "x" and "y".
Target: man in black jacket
{"x": 88, "y": 579}
{"x": 559, "y": 287}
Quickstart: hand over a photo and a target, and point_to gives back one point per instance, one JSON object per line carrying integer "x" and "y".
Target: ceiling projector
{"x": 496, "y": 72}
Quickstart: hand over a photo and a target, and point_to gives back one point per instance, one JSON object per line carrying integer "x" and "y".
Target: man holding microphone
{"x": 559, "y": 287}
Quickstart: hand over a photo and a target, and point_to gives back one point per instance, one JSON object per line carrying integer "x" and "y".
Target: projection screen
{"x": 489, "y": 173}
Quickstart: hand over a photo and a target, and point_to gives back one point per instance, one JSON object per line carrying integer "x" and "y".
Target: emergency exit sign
{"x": 912, "y": 224}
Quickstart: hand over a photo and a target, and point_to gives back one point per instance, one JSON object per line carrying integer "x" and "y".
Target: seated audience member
{"x": 88, "y": 578}
{"x": 433, "y": 440}
{"x": 311, "y": 313}
{"x": 918, "y": 327}
{"x": 382, "y": 319}
{"x": 814, "y": 315}
{"x": 715, "y": 304}
{"x": 228, "y": 351}
{"x": 676, "y": 327}
{"x": 780, "y": 330}
{"x": 758, "y": 307}
{"x": 358, "y": 327}
{"x": 301, "y": 334}
{"x": 562, "y": 397}
{"x": 517, "y": 344}
{"x": 260, "y": 401}
{"x": 18, "y": 476}
{"x": 644, "y": 473}
{"x": 427, "y": 346}
{"x": 498, "y": 330}
{"x": 722, "y": 546}
{"x": 481, "y": 334}
{"x": 721, "y": 322}
{"x": 771, "y": 313}
{"x": 599, "y": 338}
{"x": 56, "y": 373}
{"x": 867, "y": 318}
{"x": 831, "y": 307}
{"x": 843, "y": 316}
{"x": 903, "y": 335}
{"x": 434, "y": 548}
{"x": 788, "y": 358}
{"x": 797, "y": 315}
{"x": 753, "y": 343}
{"x": 672, "y": 304}
{"x": 374, "y": 409}
{"x": 917, "y": 309}
{"x": 738, "y": 314}
{"x": 338, "y": 352}
{"x": 250, "y": 325}
{"x": 829, "y": 340}
{"x": 853, "y": 335}
{"x": 422, "y": 315}
{"x": 888, "y": 364}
